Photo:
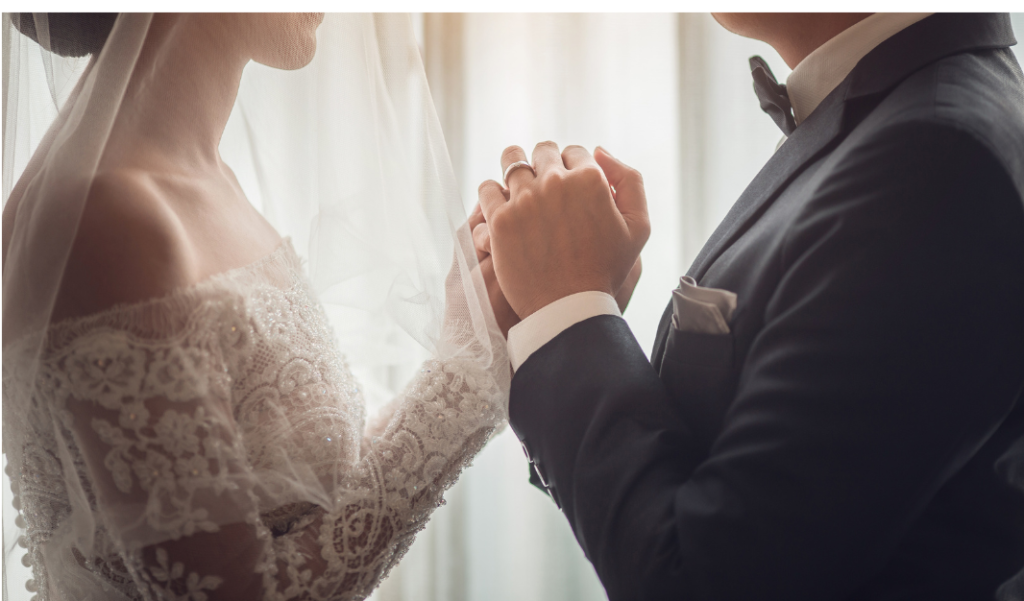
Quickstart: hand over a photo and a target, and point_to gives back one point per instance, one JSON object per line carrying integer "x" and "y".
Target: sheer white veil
{"x": 344, "y": 155}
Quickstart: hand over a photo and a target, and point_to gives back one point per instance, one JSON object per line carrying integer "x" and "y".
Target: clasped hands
{"x": 576, "y": 225}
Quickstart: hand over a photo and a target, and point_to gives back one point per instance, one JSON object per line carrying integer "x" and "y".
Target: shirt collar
{"x": 825, "y": 68}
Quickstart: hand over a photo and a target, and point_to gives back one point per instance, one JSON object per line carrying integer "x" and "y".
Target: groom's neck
{"x": 793, "y": 35}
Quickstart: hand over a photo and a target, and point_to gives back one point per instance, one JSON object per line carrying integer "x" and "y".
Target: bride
{"x": 178, "y": 420}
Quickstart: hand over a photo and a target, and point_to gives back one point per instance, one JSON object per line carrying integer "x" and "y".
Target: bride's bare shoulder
{"x": 130, "y": 247}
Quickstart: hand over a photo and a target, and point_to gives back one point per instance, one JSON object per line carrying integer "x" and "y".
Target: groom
{"x": 832, "y": 409}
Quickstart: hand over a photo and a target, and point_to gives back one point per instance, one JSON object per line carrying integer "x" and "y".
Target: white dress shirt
{"x": 809, "y": 83}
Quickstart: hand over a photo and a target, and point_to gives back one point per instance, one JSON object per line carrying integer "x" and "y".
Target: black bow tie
{"x": 772, "y": 94}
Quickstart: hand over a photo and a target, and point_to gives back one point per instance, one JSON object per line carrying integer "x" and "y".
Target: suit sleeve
{"x": 891, "y": 350}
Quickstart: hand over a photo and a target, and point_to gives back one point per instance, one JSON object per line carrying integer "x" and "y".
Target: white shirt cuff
{"x": 527, "y": 336}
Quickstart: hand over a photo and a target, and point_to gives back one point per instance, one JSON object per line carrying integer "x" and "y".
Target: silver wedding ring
{"x": 514, "y": 166}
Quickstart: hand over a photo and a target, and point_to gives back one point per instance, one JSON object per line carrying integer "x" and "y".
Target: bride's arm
{"x": 151, "y": 419}
{"x": 154, "y": 423}
{"x": 439, "y": 423}
{"x": 413, "y": 450}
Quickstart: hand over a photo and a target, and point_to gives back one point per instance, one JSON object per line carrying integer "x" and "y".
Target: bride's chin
{"x": 303, "y": 56}
{"x": 288, "y": 40}
{"x": 295, "y": 58}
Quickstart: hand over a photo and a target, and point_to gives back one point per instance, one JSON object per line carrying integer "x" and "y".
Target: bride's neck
{"x": 181, "y": 92}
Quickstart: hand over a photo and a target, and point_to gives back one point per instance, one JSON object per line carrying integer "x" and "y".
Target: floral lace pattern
{"x": 224, "y": 417}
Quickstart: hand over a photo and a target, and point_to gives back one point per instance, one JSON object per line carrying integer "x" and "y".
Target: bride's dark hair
{"x": 71, "y": 34}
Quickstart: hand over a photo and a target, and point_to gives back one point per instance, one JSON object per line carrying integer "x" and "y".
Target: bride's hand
{"x": 482, "y": 241}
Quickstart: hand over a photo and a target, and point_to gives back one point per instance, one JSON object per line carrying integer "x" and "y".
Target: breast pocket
{"x": 701, "y": 374}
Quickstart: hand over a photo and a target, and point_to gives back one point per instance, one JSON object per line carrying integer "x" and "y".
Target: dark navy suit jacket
{"x": 860, "y": 432}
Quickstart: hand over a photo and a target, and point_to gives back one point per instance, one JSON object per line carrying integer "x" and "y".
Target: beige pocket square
{"x": 701, "y": 310}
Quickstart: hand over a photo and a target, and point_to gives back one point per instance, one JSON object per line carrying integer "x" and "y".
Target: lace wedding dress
{"x": 221, "y": 418}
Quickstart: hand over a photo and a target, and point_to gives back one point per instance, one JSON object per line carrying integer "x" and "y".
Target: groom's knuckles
{"x": 501, "y": 225}
{"x": 524, "y": 200}
{"x": 590, "y": 180}
{"x": 546, "y": 157}
{"x": 552, "y": 184}
{"x": 574, "y": 157}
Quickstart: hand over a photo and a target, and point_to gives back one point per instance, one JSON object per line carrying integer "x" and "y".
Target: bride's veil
{"x": 344, "y": 155}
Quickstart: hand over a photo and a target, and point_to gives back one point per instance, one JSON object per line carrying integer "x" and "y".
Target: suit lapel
{"x": 659, "y": 341}
{"x": 878, "y": 72}
{"x": 810, "y": 140}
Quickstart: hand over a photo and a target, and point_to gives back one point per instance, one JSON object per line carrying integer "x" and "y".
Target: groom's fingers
{"x": 491, "y": 196}
{"x": 629, "y": 184}
{"x": 629, "y": 194}
{"x": 577, "y": 157}
{"x": 546, "y": 158}
{"x": 519, "y": 177}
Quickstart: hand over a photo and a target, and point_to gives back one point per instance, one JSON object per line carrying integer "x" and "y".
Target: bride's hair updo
{"x": 71, "y": 34}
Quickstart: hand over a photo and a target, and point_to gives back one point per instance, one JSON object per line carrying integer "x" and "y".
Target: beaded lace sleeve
{"x": 228, "y": 460}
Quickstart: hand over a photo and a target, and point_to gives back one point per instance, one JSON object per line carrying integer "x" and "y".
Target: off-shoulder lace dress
{"x": 212, "y": 444}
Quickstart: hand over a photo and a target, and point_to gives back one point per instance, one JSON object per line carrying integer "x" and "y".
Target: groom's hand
{"x": 562, "y": 231}
{"x": 482, "y": 242}
{"x": 625, "y": 292}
